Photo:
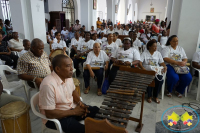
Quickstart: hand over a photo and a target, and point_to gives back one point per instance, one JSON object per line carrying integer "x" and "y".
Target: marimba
{"x": 124, "y": 93}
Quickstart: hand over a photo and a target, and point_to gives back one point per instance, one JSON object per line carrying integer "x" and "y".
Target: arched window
{"x": 69, "y": 9}
{"x": 5, "y": 6}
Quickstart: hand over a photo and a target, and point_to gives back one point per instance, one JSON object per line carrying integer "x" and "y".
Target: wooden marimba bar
{"x": 124, "y": 93}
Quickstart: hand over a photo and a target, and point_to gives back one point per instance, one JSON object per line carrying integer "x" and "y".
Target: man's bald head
{"x": 37, "y": 47}
{"x": 96, "y": 44}
{"x": 35, "y": 42}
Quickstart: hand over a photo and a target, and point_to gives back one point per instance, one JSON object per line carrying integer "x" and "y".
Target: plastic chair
{"x": 193, "y": 77}
{"x": 14, "y": 85}
{"x": 35, "y": 107}
{"x": 163, "y": 85}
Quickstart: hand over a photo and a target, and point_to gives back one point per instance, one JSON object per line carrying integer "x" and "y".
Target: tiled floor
{"x": 152, "y": 112}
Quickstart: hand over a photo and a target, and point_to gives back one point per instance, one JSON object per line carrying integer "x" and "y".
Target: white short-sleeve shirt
{"x": 76, "y": 42}
{"x": 85, "y": 46}
{"x": 118, "y": 42}
{"x": 109, "y": 31}
{"x": 95, "y": 61}
{"x": 109, "y": 49}
{"x": 178, "y": 54}
{"x": 95, "y": 41}
{"x": 54, "y": 31}
{"x": 12, "y": 43}
{"x": 22, "y": 52}
{"x": 196, "y": 57}
{"x": 104, "y": 31}
{"x": 151, "y": 60}
{"x": 129, "y": 55}
{"x": 137, "y": 42}
{"x": 59, "y": 45}
{"x": 125, "y": 32}
{"x": 65, "y": 33}
{"x": 120, "y": 31}
{"x": 104, "y": 39}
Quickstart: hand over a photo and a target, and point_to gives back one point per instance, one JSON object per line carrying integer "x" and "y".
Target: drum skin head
{"x": 13, "y": 109}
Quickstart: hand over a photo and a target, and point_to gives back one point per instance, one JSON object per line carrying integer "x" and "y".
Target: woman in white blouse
{"x": 109, "y": 47}
{"x": 16, "y": 44}
{"x": 126, "y": 55}
{"x": 175, "y": 55}
{"x": 53, "y": 31}
{"x": 82, "y": 50}
{"x": 75, "y": 42}
{"x": 95, "y": 58}
{"x": 58, "y": 43}
{"x": 116, "y": 40}
{"x": 151, "y": 57}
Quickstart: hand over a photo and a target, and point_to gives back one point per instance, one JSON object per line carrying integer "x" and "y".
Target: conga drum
{"x": 77, "y": 83}
{"x": 56, "y": 52}
{"x": 15, "y": 118}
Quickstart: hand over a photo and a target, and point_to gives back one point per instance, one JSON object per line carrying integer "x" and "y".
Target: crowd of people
{"x": 143, "y": 45}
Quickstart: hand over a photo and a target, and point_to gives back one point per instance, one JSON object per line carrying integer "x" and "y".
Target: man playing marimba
{"x": 59, "y": 100}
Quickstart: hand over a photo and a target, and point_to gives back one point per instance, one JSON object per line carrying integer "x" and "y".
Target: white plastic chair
{"x": 193, "y": 77}
{"x": 163, "y": 85}
{"x": 35, "y": 108}
{"x": 29, "y": 91}
{"x": 14, "y": 85}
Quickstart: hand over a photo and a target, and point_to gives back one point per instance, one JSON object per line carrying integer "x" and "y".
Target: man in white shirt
{"x": 27, "y": 46}
{"x": 102, "y": 30}
{"x": 126, "y": 31}
{"x": 111, "y": 30}
{"x": 64, "y": 33}
{"x": 58, "y": 43}
{"x": 119, "y": 30}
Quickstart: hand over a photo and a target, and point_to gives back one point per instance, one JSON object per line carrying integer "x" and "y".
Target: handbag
{"x": 105, "y": 86}
{"x": 180, "y": 70}
{"x": 158, "y": 70}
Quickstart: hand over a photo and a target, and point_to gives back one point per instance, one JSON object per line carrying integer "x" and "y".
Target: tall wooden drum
{"x": 77, "y": 85}
{"x": 15, "y": 118}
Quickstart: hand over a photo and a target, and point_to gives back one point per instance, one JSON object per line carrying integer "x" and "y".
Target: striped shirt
{"x": 34, "y": 66}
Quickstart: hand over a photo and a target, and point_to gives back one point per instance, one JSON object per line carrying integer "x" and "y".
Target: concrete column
{"x": 176, "y": 11}
{"x": 126, "y": 7}
{"x": 111, "y": 10}
{"x": 169, "y": 10}
{"x": 28, "y": 19}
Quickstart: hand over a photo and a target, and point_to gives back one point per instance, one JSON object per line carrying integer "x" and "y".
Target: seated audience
{"x": 82, "y": 50}
{"x": 6, "y": 55}
{"x": 149, "y": 58}
{"x": 109, "y": 47}
{"x": 6, "y": 98}
{"x": 2, "y": 27}
{"x": 126, "y": 56}
{"x": 34, "y": 65}
{"x": 48, "y": 37}
{"x": 82, "y": 35}
{"x": 145, "y": 37}
{"x": 64, "y": 33}
{"x": 111, "y": 30}
{"x": 70, "y": 29}
{"x": 9, "y": 28}
{"x": 77, "y": 26}
{"x": 119, "y": 30}
{"x": 99, "y": 23}
{"x": 101, "y": 30}
{"x": 27, "y": 46}
{"x": 69, "y": 37}
{"x": 126, "y": 30}
{"x": 175, "y": 55}
{"x": 136, "y": 42}
{"x": 155, "y": 29}
{"x": 102, "y": 38}
{"x": 53, "y": 31}
{"x": 162, "y": 39}
{"x": 75, "y": 42}
{"x": 109, "y": 22}
{"x": 58, "y": 43}
{"x": 116, "y": 40}
{"x": 196, "y": 62}
{"x": 95, "y": 39}
{"x": 95, "y": 58}
{"x": 15, "y": 44}
{"x": 162, "y": 26}
{"x": 59, "y": 100}
{"x": 92, "y": 31}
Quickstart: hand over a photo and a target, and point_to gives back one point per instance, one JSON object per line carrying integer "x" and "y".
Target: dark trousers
{"x": 67, "y": 42}
{"x": 98, "y": 74}
{"x": 156, "y": 89}
{"x": 72, "y": 53}
{"x": 196, "y": 73}
{"x": 11, "y": 60}
{"x": 71, "y": 124}
{"x": 108, "y": 71}
{"x": 112, "y": 74}
{"x": 76, "y": 65}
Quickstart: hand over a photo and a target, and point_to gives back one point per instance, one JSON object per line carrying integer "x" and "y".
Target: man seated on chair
{"x": 196, "y": 62}
{"x": 58, "y": 43}
{"x": 6, "y": 98}
{"x": 58, "y": 98}
{"x": 15, "y": 43}
{"x": 34, "y": 65}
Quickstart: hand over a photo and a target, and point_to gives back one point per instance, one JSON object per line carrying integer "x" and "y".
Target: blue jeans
{"x": 173, "y": 78}
{"x": 98, "y": 74}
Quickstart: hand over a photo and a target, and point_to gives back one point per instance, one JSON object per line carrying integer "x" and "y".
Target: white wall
{"x": 121, "y": 12}
{"x": 188, "y": 34}
{"x": 131, "y": 13}
{"x": 1, "y": 15}
{"x": 158, "y": 5}
{"x": 101, "y": 7}
{"x": 55, "y": 5}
